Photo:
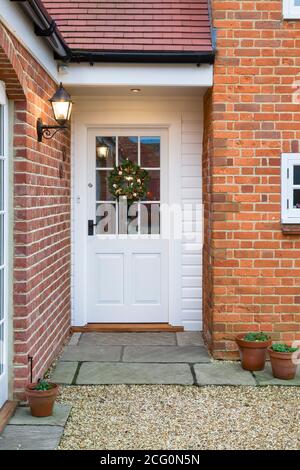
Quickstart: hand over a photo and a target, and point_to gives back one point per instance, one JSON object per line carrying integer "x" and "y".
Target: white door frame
{"x": 82, "y": 122}
{"x": 4, "y": 157}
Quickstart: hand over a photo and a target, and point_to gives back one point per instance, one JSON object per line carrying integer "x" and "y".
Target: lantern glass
{"x": 61, "y": 111}
{"x": 61, "y": 105}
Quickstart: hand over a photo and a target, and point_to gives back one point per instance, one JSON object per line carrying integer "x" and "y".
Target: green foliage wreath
{"x": 130, "y": 180}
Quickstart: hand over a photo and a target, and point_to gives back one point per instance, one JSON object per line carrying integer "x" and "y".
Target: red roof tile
{"x": 134, "y": 25}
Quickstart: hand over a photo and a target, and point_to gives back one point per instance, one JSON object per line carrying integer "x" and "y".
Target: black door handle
{"x": 91, "y": 226}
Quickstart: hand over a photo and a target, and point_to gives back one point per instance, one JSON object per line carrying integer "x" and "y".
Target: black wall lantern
{"x": 62, "y": 107}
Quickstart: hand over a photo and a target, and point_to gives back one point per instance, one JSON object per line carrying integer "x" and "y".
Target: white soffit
{"x": 105, "y": 74}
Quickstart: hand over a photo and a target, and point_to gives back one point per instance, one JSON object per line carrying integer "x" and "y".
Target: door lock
{"x": 91, "y": 226}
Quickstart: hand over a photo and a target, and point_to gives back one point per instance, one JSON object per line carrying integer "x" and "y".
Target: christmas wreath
{"x": 128, "y": 180}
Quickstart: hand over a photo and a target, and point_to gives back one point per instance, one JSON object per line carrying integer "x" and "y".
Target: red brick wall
{"x": 41, "y": 217}
{"x": 207, "y": 202}
{"x": 254, "y": 266}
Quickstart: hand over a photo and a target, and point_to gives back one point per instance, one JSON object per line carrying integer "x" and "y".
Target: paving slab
{"x": 127, "y": 373}
{"x": 64, "y": 372}
{"x": 222, "y": 374}
{"x": 30, "y": 437}
{"x": 74, "y": 340}
{"x": 91, "y": 352}
{"x": 189, "y": 338}
{"x": 23, "y": 416}
{"x": 124, "y": 339}
{"x": 165, "y": 354}
{"x": 265, "y": 377}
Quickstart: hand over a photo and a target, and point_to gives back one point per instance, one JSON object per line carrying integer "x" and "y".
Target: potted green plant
{"x": 283, "y": 365}
{"x": 41, "y": 396}
{"x": 253, "y": 349}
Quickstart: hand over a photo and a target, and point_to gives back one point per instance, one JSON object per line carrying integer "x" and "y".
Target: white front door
{"x": 127, "y": 263}
{"x": 3, "y": 245}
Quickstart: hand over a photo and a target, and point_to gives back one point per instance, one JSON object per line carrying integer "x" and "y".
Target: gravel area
{"x": 177, "y": 417}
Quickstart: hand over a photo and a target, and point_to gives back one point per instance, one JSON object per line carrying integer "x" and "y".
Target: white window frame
{"x": 4, "y": 375}
{"x": 290, "y": 10}
{"x": 289, "y": 215}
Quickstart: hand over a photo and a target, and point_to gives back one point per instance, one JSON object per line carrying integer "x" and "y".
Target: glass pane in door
{"x": 128, "y": 149}
{"x": 128, "y": 220}
{"x": 106, "y": 216}
{"x": 150, "y": 219}
{"x": 150, "y": 152}
{"x": 102, "y": 189}
{"x": 153, "y": 193}
{"x": 105, "y": 152}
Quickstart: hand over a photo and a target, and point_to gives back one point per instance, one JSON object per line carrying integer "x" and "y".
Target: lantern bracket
{"x": 47, "y": 131}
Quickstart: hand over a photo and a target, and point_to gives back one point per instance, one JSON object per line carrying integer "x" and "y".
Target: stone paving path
{"x": 150, "y": 358}
{"x": 128, "y": 358}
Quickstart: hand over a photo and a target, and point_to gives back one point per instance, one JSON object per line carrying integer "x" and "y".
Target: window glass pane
{"x": 296, "y": 174}
{"x": 1, "y": 348}
{"x": 1, "y": 130}
{"x": 105, "y": 219}
{"x": 128, "y": 219}
{"x": 1, "y": 185}
{"x": 296, "y": 203}
{"x": 102, "y": 190}
{"x": 153, "y": 193}
{"x": 105, "y": 152}
{"x": 150, "y": 219}
{"x": 128, "y": 148}
{"x": 1, "y": 294}
{"x": 297, "y": 3}
{"x": 1, "y": 239}
{"x": 150, "y": 152}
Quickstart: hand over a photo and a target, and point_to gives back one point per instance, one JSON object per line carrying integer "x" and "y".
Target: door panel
{"x": 110, "y": 278}
{"x": 146, "y": 278}
{"x": 127, "y": 260}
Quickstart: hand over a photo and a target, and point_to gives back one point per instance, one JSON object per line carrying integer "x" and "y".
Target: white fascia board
{"x": 107, "y": 74}
{"x": 16, "y": 21}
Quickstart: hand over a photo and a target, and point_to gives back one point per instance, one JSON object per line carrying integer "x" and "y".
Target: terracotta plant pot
{"x": 282, "y": 365}
{"x": 41, "y": 401}
{"x": 253, "y": 353}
